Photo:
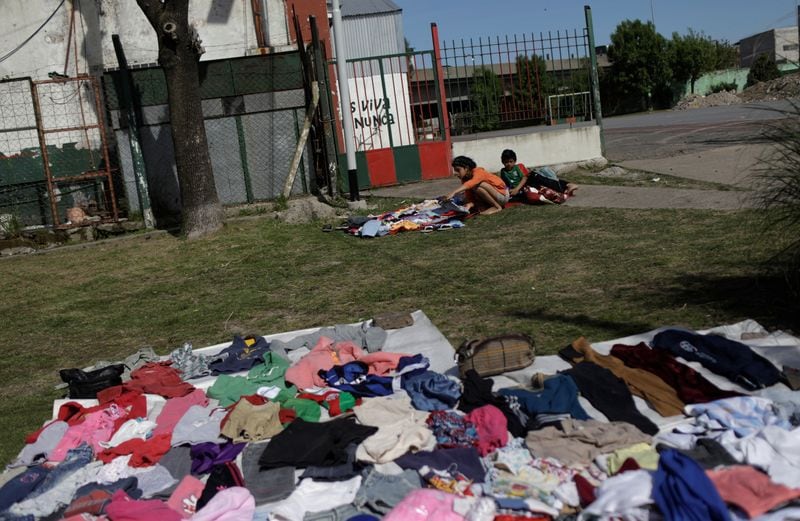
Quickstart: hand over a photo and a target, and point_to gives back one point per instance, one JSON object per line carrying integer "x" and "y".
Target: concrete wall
{"x": 546, "y": 147}
{"x": 780, "y": 44}
{"x": 704, "y": 83}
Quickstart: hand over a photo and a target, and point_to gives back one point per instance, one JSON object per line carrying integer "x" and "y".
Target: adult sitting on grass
{"x": 485, "y": 193}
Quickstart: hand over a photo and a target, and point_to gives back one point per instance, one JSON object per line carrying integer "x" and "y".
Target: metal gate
{"x": 69, "y": 117}
{"x": 400, "y": 127}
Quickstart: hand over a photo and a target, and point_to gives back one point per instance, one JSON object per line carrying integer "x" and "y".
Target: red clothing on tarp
{"x": 145, "y": 452}
{"x": 124, "y": 508}
{"x": 158, "y": 378}
{"x": 691, "y": 386}
{"x": 174, "y": 410}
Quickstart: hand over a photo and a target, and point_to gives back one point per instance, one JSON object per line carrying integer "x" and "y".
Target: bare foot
{"x": 490, "y": 211}
{"x": 571, "y": 188}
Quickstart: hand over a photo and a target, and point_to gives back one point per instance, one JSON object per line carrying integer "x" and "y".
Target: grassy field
{"x": 553, "y": 272}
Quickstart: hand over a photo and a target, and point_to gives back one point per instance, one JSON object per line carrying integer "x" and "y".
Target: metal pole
{"x": 652, "y": 16}
{"x": 598, "y": 110}
{"x": 344, "y": 100}
{"x": 137, "y": 159}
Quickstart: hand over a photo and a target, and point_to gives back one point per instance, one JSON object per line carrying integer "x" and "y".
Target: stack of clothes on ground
{"x": 427, "y": 216}
{"x": 363, "y": 422}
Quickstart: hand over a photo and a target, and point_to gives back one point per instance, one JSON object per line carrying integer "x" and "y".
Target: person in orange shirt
{"x": 486, "y": 193}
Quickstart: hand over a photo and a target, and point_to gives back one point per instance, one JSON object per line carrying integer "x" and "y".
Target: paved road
{"x": 670, "y": 133}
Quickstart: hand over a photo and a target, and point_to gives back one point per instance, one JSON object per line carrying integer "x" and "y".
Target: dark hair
{"x": 464, "y": 161}
{"x": 508, "y": 154}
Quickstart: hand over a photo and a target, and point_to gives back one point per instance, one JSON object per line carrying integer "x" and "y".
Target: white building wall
{"x": 786, "y": 45}
{"x": 225, "y": 26}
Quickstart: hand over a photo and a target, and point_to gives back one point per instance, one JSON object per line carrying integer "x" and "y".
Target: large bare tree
{"x": 179, "y": 52}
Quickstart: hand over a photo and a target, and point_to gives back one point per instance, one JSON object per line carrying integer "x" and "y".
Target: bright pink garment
{"x": 326, "y": 354}
{"x": 145, "y": 453}
{"x": 750, "y": 489}
{"x": 231, "y": 504}
{"x": 174, "y": 410}
{"x": 96, "y": 427}
{"x": 425, "y": 504}
{"x": 492, "y": 428}
{"x": 124, "y": 508}
{"x": 185, "y": 496}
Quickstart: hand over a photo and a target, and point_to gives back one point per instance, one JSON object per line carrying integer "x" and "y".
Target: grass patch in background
{"x": 553, "y": 272}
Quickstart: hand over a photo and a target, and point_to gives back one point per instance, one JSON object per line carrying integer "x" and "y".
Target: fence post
{"x": 437, "y": 57}
{"x": 344, "y": 101}
{"x": 137, "y": 159}
{"x": 598, "y": 110}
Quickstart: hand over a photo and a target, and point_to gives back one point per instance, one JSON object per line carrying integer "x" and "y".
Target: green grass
{"x": 553, "y": 272}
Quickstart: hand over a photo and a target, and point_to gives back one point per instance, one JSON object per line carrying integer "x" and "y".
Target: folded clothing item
{"x": 86, "y": 384}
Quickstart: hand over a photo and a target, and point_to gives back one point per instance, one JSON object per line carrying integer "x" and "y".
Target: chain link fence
{"x": 252, "y": 108}
{"x": 53, "y": 153}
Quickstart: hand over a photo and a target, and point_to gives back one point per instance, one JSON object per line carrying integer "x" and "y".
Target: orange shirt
{"x": 479, "y": 175}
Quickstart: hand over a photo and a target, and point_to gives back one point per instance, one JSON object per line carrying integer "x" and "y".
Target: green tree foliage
{"x": 640, "y": 65}
{"x": 763, "y": 69}
{"x": 725, "y": 55}
{"x": 485, "y": 95}
{"x": 691, "y": 56}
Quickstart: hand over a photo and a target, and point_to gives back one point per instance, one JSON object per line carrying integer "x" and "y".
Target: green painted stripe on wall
{"x": 407, "y": 164}
{"x": 361, "y": 168}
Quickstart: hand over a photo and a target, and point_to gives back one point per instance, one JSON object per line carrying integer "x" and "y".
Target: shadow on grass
{"x": 613, "y": 328}
{"x": 766, "y": 298}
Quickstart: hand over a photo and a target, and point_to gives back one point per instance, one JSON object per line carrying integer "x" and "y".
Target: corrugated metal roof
{"x": 367, "y": 7}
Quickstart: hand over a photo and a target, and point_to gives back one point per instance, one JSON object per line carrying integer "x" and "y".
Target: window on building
{"x": 790, "y": 47}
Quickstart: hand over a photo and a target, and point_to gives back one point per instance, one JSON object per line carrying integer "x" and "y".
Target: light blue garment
{"x": 744, "y": 415}
{"x": 431, "y": 391}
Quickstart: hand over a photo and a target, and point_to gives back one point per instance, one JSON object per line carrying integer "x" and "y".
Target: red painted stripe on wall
{"x": 434, "y": 159}
{"x": 381, "y": 168}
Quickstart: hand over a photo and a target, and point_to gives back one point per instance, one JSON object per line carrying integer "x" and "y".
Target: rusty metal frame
{"x": 104, "y": 175}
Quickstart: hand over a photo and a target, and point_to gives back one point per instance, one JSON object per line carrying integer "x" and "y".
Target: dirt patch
{"x": 780, "y": 88}
{"x": 784, "y": 87}
{"x": 718, "y": 99}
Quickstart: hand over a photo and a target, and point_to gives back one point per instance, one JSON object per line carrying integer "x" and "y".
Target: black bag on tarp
{"x": 86, "y": 384}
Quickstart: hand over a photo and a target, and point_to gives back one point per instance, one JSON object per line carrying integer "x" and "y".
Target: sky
{"x": 729, "y": 20}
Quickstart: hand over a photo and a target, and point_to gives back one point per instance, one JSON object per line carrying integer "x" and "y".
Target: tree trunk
{"x": 179, "y": 52}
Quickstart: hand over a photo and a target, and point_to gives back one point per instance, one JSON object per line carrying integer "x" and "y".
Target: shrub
{"x": 724, "y": 86}
{"x": 763, "y": 69}
{"x": 778, "y": 190}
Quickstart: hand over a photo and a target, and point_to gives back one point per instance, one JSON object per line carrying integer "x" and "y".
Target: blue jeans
{"x": 381, "y": 492}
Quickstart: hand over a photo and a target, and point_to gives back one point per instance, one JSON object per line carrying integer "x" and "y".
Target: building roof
{"x": 368, "y": 7}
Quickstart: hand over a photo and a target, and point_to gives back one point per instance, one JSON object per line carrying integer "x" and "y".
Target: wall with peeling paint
{"x": 225, "y": 26}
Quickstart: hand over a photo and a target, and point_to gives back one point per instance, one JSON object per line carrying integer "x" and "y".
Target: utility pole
{"x": 344, "y": 100}
{"x": 598, "y": 107}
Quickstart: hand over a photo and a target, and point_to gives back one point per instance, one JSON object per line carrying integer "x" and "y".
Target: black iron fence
{"x": 515, "y": 81}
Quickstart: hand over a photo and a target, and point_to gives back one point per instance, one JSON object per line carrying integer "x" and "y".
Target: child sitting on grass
{"x": 485, "y": 192}
{"x": 516, "y": 177}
